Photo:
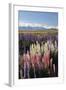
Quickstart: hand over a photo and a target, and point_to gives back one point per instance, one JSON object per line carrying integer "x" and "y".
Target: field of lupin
{"x": 38, "y": 53}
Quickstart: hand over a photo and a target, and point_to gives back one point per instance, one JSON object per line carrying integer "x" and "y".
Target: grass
{"x": 41, "y": 32}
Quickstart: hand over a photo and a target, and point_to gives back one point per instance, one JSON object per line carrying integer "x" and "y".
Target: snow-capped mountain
{"x": 34, "y": 26}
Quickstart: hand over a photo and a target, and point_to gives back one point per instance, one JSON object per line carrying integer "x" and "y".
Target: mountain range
{"x": 30, "y": 26}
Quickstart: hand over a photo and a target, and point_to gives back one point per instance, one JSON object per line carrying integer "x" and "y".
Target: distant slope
{"x": 32, "y": 28}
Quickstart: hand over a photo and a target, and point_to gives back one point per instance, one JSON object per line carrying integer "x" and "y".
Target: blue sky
{"x": 48, "y": 18}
